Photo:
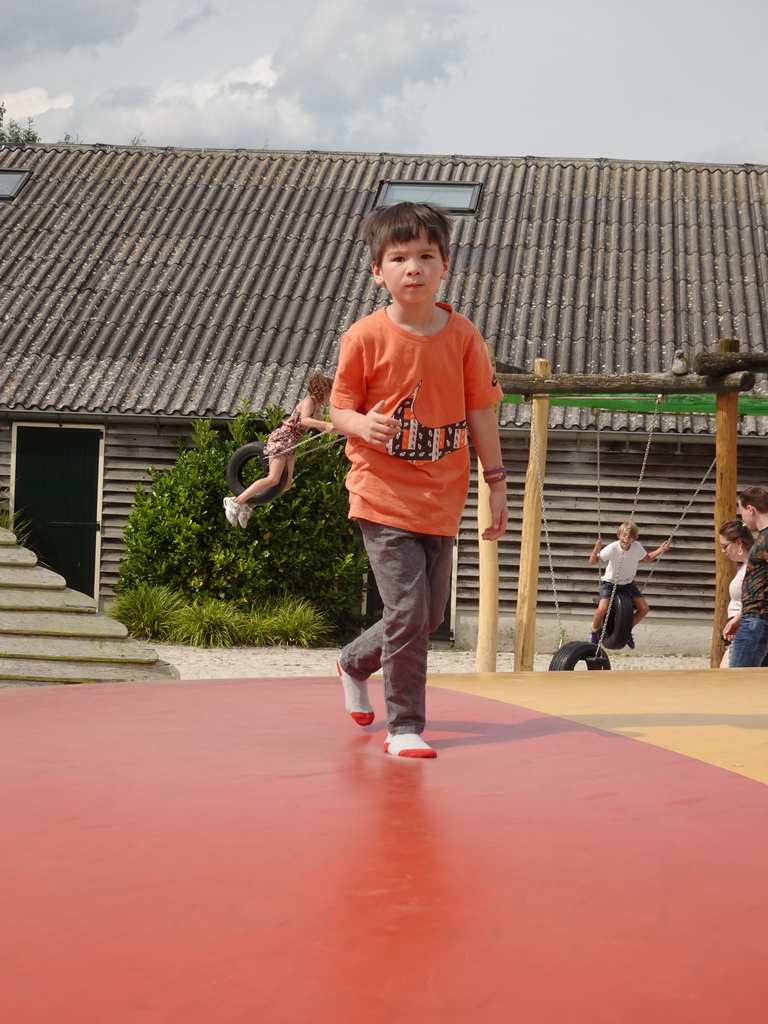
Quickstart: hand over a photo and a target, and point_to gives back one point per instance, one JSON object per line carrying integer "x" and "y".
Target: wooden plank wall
{"x": 5, "y": 460}
{"x": 130, "y": 447}
{"x": 683, "y": 582}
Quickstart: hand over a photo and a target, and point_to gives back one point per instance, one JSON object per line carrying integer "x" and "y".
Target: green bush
{"x": 148, "y": 611}
{"x": 301, "y": 545}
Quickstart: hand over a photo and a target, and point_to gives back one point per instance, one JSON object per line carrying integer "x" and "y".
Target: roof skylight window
{"x": 12, "y": 181}
{"x": 453, "y": 196}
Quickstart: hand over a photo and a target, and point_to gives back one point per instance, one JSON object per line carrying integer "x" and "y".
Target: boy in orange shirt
{"x": 413, "y": 385}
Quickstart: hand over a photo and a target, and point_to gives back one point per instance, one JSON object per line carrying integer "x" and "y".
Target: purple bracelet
{"x": 494, "y": 476}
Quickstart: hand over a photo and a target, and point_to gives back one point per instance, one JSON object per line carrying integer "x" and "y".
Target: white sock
{"x": 356, "y": 698}
{"x": 408, "y": 744}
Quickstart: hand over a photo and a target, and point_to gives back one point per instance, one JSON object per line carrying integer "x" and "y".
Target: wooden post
{"x": 726, "y": 484}
{"x": 488, "y": 566}
{"x": 530, "y": 542}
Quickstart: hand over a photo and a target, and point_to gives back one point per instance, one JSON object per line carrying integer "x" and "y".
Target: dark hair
{"x": 735, "y": 529}
{"x": 757, "y": 497}
{"x": 402, "y": 223}
{"x": 318, "y": 386}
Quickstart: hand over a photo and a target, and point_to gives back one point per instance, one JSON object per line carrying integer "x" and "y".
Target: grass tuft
{"x": 287, "y": 621}
{"x": 208, "y": 623}
{"x": 17, "y": 525}
{"x": 148, "y": 611}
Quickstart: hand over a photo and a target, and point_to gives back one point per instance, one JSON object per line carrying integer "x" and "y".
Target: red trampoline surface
{"x": 240, "y": 851}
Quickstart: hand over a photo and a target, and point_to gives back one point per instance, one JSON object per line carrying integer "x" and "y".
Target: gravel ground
{"x": 279, "y": 662}
{"x": 275, "y": 662}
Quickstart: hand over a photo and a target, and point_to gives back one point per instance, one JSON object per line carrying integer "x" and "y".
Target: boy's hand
{"x": 498, "y": 506}
{"x": 378, "y": 428}
{"x": 598, "y": 546}
{"x": 664, "y": 546}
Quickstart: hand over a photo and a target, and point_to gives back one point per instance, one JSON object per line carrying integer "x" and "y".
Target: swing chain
{"x": 561, "y": 631}
{"x": 679, "y": 523}
{"x": 597, "y": 470}
{"x": 319, "y": 443}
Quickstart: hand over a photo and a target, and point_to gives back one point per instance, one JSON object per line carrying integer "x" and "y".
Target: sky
{"x": 648, "y": 80}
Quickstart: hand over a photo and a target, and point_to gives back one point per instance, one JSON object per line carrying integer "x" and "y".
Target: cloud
{"x": 129, "y": 97}
{"x": 34, "y": 27}
{"x": 352, "y": 75}
{"x": 742, "y": 151}
{"x": 35, "y": 103}
{"x": 230, "y": 110}
{"x": 354, "y": 55}
{"x": 195, "y": 16}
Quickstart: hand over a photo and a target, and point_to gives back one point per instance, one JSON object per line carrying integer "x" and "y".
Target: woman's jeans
{"x": 750, "y": 645}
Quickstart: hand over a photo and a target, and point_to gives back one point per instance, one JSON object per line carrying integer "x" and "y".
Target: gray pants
{"x": 413, "y": 574}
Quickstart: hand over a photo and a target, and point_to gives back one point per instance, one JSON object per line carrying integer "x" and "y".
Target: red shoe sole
{"x": 363, "y": 717}
{"x": 411, "y": 753}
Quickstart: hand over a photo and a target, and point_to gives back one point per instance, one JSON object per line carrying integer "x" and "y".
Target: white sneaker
{"x": 231, "y": 511}
{"x": 243, "y": 514}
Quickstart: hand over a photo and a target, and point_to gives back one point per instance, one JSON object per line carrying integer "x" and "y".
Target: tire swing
{"x": 240, "y": 458}
{"x": 618, "y": 624}
{"x": 567, "y": 657}
{"x": 569, "y": 654}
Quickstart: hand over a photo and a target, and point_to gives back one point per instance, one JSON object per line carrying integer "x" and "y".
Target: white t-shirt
{"x": 612, "y": 554}
{"x": 734, "y": 592}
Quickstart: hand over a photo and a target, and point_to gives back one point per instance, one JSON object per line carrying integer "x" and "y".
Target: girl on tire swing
{"x": 280, "y": 447}
{"x": 623, "y": 557}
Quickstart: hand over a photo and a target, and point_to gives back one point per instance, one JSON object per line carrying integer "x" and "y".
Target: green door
{"x": 56, "y": 488}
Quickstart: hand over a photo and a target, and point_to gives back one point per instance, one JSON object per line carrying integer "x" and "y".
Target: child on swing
{"x": 623, "y": 557}
{"x": 280, "y": 448}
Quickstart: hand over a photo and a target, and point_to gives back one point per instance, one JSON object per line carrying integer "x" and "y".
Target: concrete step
{"x": 59, "y": 623}
{"x": 29, "y": 599}
{"x": 52, "y": 634}
{"x": 17, "y": 556}
{"x": 30, "y": 576}
{"x": 76, "y": 649}
{"x": 39, "y": 671}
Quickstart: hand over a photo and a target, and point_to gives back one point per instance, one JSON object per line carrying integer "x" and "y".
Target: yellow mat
{"x": 714, "y": 715}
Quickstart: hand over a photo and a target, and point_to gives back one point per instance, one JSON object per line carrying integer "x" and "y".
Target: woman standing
{"x": 735, "y": 542}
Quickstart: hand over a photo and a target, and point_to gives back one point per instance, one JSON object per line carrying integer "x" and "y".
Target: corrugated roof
{"x": 176, "y": 282}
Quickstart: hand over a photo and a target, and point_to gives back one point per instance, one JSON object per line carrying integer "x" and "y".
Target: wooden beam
{"x": 717, "y": 364}
{"x": 634, "y": 383}
{"x": 530, "y": 540}
{"x": 726, "y": 485}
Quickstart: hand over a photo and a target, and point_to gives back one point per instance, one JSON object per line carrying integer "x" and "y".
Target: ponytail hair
{"x": 318, "y": 387}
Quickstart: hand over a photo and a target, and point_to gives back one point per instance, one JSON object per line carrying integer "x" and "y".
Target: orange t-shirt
{"x": 419, "y": 481}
